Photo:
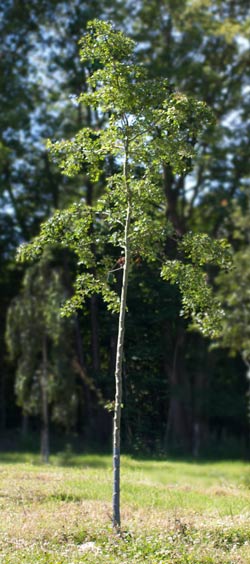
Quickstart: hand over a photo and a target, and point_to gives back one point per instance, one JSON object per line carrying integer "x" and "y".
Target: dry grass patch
{"x": 56, "y": 515}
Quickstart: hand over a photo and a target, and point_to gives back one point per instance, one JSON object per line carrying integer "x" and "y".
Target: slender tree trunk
{"x": 2, "y": 403}
{"x": 25, "y": 425}
{"x": 45, "y": 406}
{"x": 93, "y": 300}
{"x": 94, "y": 334}
{"x": 118, "y": 367}
{"x": 86, "y": 388}
{"x": 178, "y": 423}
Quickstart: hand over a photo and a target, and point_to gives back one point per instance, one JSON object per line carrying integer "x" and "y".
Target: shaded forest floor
{"x": 172, "y": 512}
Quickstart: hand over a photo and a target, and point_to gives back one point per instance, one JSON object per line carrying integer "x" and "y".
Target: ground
{"x": 172, "y": 511}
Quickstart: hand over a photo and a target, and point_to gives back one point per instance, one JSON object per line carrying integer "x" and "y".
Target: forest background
{"x": 180, "y": 394}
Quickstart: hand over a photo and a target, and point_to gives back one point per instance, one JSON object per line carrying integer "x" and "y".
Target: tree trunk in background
{"x": 94, "y": 327}
{"x": 178, "y": 429}
{"x": 178, "y": 432}
{"x": 2, "y": 403}
{"x": 94, "y": 334}
{"x": 86, "y": 389}
{"x": 199, "y": 393}
{"x": 25, "y": 425}
{"x": 173, "y": 189}
{"x": 93, "y": 301}
{"x": 45, "y": 405}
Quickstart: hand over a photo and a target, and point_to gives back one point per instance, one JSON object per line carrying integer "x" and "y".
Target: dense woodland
{"x": 182, "y": 391}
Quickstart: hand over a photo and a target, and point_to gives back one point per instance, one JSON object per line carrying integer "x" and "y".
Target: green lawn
{"x": 176, "y": 512}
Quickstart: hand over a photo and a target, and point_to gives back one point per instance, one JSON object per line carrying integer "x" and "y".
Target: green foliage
{"x": 202, "y": 249}
{"x": 86, "y": 285}
{"x": 69, "y": 228}
{"x": 198, "y": 297}
{"x": 148, "y": 127}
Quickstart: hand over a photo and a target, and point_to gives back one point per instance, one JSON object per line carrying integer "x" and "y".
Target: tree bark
{"x": 45, "y": 406}
{"x": 94, "y": 334}
{"x": 83, "y": 371}
{"x": 178, "y": 420}
{"x": 178, "y": 431}
{"x": 93, "y": 300}
{"x": 25, "y": 425}
{"x": 2, "y": 403}
{"x": 173, "y": 189}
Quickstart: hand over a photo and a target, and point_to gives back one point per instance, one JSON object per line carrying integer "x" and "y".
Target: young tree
{"x": 149, "y": 126}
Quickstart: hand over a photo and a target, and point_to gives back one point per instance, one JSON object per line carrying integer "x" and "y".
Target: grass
{"x": 172, "y": 512}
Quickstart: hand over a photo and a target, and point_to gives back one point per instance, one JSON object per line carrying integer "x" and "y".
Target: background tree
{"x": 203, "y": 48}
{"x": 40, "y": 74}
{"x": 233, "y": 288}
{"x": 39, "y": 341}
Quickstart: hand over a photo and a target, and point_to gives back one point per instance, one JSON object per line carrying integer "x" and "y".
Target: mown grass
{"x": 172, "y": 512}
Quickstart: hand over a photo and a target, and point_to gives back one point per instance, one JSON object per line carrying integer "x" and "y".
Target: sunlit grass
{"x": 176, "y": 512}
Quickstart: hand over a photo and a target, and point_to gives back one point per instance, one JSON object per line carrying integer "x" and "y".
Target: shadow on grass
{"x": 74, "y": 453}
{"x": 77, "y": 461}
{"x": 71, "y": 452}
{"x": 232, "y": 449}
